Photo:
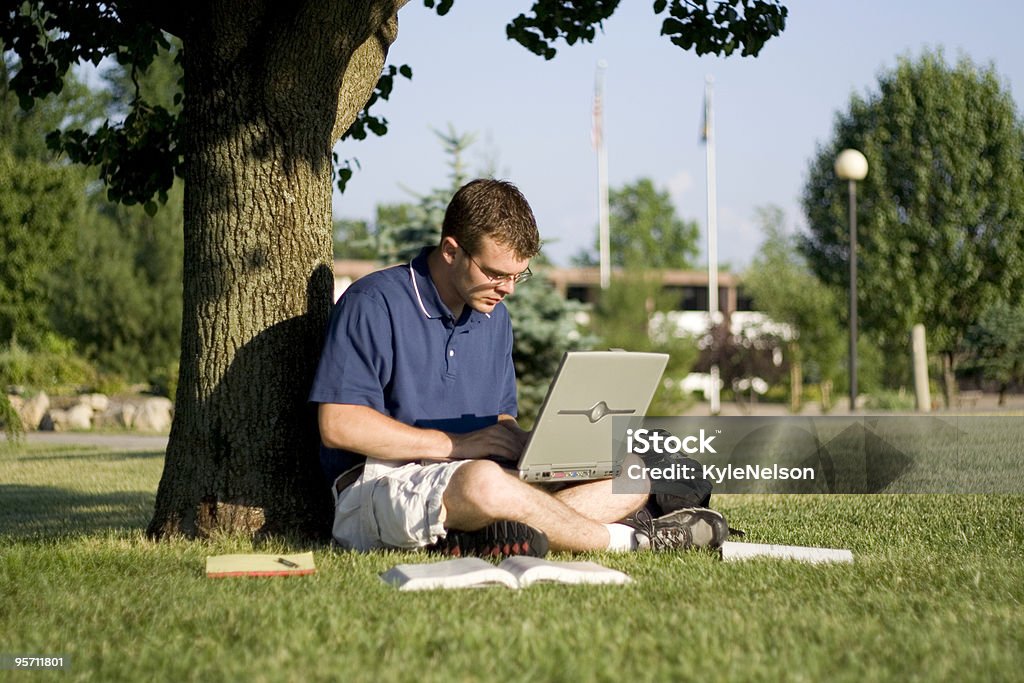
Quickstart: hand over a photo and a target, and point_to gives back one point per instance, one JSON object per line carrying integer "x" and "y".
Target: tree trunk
{"x": 269, "y": 88}
{"x": 796, "y": 378}
{"x": 948, "y": 379}
{"x": 826, "y": 395}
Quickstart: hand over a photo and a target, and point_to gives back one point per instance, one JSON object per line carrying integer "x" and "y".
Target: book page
{"x": 530, "y": 570}
{"x": 464, "y": 572}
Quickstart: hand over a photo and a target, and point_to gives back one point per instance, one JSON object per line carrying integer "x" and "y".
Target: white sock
{"x": 621, "y": 538}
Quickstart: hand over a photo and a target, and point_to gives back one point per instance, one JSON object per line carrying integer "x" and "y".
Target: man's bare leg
{"x": 595, "y": 500}
{"x": 598, "y": 501}
{"x": 480, "y": 492}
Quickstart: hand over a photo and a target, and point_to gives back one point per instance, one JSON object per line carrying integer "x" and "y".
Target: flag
{"x": 596, "y": 131}
{"x": 705, "y": 126}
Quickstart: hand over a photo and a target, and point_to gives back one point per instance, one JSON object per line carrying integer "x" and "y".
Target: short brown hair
{"x": 492, "y": 208}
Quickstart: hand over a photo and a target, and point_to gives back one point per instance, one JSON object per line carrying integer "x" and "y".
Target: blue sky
{"x": 534, "y": 116}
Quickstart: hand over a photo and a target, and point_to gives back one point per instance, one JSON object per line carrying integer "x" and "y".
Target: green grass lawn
{"x": 935, "y": 593}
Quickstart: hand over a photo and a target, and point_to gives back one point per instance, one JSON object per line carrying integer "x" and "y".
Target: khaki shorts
{"x": 393, "y": 506}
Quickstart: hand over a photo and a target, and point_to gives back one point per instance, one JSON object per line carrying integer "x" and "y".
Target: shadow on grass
{"x": 44, "y": 511}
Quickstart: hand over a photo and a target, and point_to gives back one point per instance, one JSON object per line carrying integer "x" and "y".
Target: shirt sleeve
{"x": 509, "y": 398}
{"x": 357, "y": 358}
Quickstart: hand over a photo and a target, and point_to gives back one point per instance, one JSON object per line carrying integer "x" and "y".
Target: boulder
{"x": 117, "y": 415}
{"x": 98, "y": 402}
{"x": 79, "y": 416}
{"x": 33, "y": 410}
{"x": 55, "y": 420}
{"x": 154, "y": 415}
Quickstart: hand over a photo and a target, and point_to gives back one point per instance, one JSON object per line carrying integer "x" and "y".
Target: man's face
{"x": 485, "y": 277}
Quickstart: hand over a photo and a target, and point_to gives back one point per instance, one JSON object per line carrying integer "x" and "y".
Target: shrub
{"x": 53, "y": 366}
{"x": 884, "y": 399}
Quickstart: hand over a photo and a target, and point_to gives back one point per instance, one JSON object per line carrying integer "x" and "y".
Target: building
{"x": 688, "y": 287}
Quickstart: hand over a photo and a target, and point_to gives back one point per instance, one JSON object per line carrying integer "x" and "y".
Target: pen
{"x": 286, "y": 562}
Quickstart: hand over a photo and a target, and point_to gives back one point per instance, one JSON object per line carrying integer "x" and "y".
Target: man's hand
{"x": 510, "y": 423}
{"x": 505, "y": 439}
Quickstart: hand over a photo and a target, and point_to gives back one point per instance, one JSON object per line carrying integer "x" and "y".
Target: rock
{"x": 55, "y": 420}
{"x": 79, "y": 416}
{"x": 33, "y": 410}
{"x": 154, "y": 415}
{"x": 76, "y": 417}
{"x": 128, "y": 413}
{"x": 117, "y": 415}
{"x": 98, "y": 402}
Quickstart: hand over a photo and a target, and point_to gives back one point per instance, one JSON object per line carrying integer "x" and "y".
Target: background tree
{"x": 111, "y": 282}
{"x": 996, "y": 345}
{"x": 941, "y": 212}
{"x": 119, "y": 296}
{"x": 644, "y": 230}
{"x": 783, "y": 287}
{"x": 353, "y": 239}
{"x": 645, "y": 237}
{"x": 41, "y": 202}
{"x": 270, "y": 88}
{"x": 625, "y": 317}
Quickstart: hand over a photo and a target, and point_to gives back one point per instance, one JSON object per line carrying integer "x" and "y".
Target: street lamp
{"x": 852, "y": 166}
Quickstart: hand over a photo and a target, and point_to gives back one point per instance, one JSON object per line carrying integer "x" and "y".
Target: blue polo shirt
{"x": 393, "y": 345}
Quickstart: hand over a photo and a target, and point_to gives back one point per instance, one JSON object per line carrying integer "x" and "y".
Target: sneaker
{"x": 682, "y": 529}
{"x": 500, "y": 539}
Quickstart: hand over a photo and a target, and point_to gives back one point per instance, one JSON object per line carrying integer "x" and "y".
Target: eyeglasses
{"x": 517, "y": 278}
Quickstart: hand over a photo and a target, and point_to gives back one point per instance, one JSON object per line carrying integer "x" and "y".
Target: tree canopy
{"x": 139, "y": 155}
{"x": 644, "y": 230}
{"x": 941, "y": 212}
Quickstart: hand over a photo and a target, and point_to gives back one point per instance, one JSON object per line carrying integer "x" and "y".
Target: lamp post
{"x": 851, "y": 166}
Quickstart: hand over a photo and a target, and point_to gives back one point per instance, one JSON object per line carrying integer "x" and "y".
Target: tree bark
{"x": 948, "y": 379}
{"x": 796, "y": 379}
{"x": 269, "y": 89}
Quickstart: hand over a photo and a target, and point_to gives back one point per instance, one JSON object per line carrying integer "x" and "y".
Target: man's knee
{"x": 483, "y": 485}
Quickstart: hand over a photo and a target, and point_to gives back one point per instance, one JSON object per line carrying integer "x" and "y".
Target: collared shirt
{"x": 393, "y": 345}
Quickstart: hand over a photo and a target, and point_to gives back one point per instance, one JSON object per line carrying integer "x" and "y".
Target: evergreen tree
{"x": 403, "y": 229}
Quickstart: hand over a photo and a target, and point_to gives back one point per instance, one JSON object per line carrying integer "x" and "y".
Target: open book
{"x": 219, "y": 566}
{"x": 515, "y": 572}
{"x": 736, "y": 550}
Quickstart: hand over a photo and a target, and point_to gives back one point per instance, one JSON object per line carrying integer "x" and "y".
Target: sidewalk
{"x": 120, "y": 442}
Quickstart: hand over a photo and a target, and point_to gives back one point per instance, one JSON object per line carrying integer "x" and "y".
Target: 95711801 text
{"x": 25, "y": 662}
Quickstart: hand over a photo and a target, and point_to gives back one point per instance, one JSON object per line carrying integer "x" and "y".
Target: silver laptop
{"x": 572, "y": 437}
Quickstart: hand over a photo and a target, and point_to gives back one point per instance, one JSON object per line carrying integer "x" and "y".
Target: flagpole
{"x": 709, "y": 147}
{"x": 602, "y": 175}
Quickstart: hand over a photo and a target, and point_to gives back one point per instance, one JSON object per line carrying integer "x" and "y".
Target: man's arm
{"x": 364, "y": 430}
